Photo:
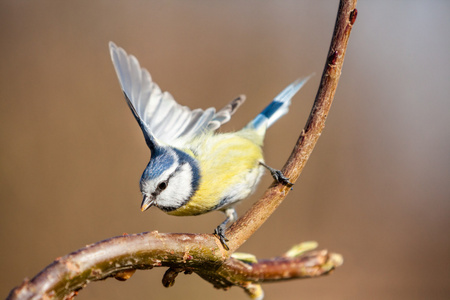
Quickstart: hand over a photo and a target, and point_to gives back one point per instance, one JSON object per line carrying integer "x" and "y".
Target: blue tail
{"x": 278, "y": 107}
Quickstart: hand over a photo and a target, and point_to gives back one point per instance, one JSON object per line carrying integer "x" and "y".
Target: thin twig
{"x": 243, "y": 228}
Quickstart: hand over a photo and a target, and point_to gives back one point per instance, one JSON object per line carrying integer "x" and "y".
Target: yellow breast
{"x": 229, "y": 168}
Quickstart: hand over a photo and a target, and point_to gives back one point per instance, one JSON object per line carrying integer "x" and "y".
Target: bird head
{"x": 170, "y": 179}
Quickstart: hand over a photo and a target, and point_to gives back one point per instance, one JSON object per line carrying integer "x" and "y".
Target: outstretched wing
{"x": 224, "y": 115}
{"x": 158, "y": 114}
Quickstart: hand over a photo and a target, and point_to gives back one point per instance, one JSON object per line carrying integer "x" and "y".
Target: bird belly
{"x": 230, "y": 170}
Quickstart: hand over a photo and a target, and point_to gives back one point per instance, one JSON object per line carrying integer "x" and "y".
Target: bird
{"x": 193, "y": 169}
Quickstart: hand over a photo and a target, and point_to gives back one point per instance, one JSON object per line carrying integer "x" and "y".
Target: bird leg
{"x": 219, "y": 232}
{"x": 277, "y": 175}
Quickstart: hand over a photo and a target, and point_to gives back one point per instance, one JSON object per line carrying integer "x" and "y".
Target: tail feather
{"x": 278, "y": 107}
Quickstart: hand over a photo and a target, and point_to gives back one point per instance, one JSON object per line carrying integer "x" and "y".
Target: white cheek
{"x": 178, "y": 190}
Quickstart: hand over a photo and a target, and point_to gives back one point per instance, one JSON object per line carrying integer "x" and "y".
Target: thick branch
{"x": 103, "y": 259}
{"x": 242, "y": 229}
{"x": 119, "y": 256}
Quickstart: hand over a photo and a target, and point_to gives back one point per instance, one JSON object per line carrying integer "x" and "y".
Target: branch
{"x": 115, "y": 256}
{"x": 120, "y": 256}
{"x": 243, "y": 228}
{"x": 203, "y": 254}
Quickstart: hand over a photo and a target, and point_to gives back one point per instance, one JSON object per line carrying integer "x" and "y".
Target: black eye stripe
{"x": 163, "y": 185}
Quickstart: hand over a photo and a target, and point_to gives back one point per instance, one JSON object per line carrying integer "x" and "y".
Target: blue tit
{"x": 193, "y": 169}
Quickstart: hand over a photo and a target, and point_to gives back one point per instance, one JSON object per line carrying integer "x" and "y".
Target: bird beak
{"x": 147, "y": 202}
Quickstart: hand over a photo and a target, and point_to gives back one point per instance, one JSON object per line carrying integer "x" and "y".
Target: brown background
{"x": 375, "y": 190}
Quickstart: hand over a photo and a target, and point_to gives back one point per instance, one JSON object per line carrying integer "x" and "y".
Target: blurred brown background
{"x": 377, "y": 186}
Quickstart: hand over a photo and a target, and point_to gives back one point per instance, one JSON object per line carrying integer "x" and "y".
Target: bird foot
{"x": 278, "y": 175}
{"x": 220, "y": 234}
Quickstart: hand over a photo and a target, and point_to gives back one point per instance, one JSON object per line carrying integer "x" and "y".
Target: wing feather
{"x": 163, "y": 117}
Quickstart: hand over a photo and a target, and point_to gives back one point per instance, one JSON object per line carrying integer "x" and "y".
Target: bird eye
{"x": 162, "y": 185}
